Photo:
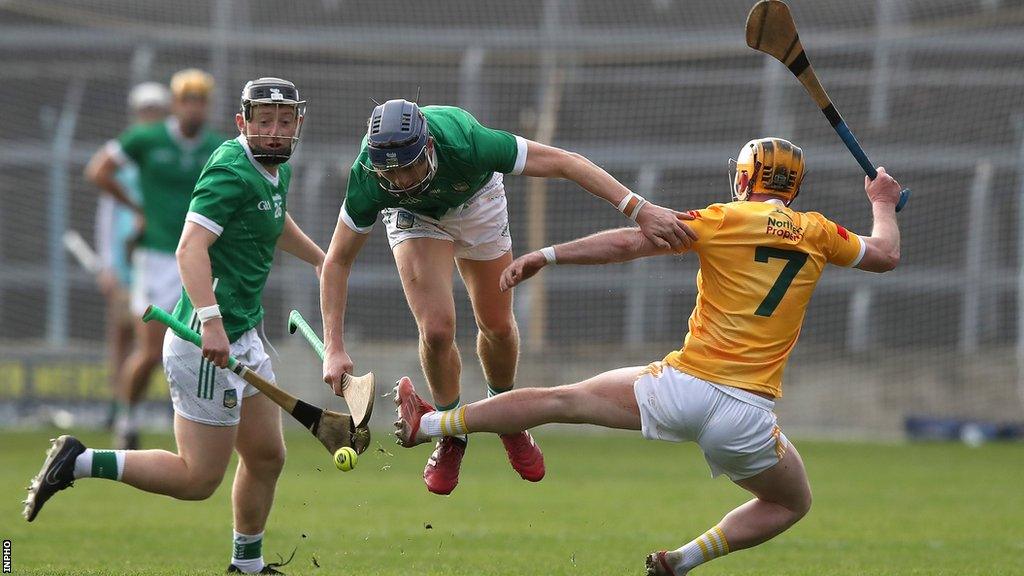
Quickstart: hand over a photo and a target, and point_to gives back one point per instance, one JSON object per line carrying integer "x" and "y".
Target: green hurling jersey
{"x": 239, "y": 201}
{"x": 468, "y": 155}
{"x": 169, "y": 166}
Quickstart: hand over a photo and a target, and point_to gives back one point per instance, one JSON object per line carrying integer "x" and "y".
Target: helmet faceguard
{"x": 769, "y": 166}
{"x": 398, "y": 140}
{"x": 279, "y": 94}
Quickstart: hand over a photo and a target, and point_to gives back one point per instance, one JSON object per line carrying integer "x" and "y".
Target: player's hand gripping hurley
{"x": 334, "y": 430}
{"x": 357, "y": 390}
{"x": 771, "y": 29}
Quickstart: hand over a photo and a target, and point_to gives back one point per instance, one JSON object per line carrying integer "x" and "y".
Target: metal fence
{"x": 659, "y": 92}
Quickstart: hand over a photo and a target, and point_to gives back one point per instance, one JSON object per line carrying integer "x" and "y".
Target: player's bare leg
{"x": 151, "y": 343}
{"x": 426, "y": 266}
{"x": 138, "y": 370}
{"x": 194, "y": 472}
{"x": 497, "y": 341}
{"x": 605, "y": 400}
{"x": 497, "y": 345}
{"x": 261, "y": 451}
{"x": 191, "y": 474}
{"x": 120, "y": 337}
{"x": 782, "y": 497}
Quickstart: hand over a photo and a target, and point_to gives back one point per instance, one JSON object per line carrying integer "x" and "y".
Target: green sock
{"x": 107, "y": 464}
{"x": 492, "y": 392}
{"x": 451, "y": 406}
{"x": 247, "y": 552}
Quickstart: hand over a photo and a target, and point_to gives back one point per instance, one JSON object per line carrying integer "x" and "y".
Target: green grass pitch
{"x": 607, "y": 501}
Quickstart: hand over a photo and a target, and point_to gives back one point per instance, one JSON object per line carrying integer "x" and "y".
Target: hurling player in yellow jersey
{"x": 759, "y": 263}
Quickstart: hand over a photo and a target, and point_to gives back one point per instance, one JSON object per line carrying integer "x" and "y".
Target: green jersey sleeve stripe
{"x": 351, "y": 223}
{"x": 520, "y": 155}
{"x": 204, "y": 222}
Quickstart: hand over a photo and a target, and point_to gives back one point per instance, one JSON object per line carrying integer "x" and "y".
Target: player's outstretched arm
{"x": 662, "y": 226}
{"x": 610, "y": 246}
{"x": 295, "y": 242}
{"x": 882, "y": 249}
{"x": 341, "y": 254}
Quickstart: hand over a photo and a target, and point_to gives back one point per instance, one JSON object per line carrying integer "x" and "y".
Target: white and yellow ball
{"x": 345, "y": 458}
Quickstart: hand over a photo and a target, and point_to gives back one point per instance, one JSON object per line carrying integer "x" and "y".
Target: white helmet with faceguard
{"x": 770, "y": 166}
{"x": 278, "y": 93}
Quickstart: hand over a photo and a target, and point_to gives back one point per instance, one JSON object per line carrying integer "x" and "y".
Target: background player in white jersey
{"x": 236, "y": 219}
{"x": 115, "y": 227}
{"x": 169, "y": 156}
{"x": 759, "y": 264}
{"x": 436, "y": 175}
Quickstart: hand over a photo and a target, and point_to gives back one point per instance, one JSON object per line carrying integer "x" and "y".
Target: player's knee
{"x": 438, "y": 334}
{"x": 498, "y": 329}
{"x": 797, "y": 505}
{"x": 200, "y": 487}
{"x": 801, "y": 506}
{"x": 267, "y": 462}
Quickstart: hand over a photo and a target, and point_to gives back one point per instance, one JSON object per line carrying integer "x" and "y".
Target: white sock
{"x": 107, "y": 464}
{"x": 704, "y": 548}
{"x": 447, "y": 423}
{"x": 247, "y": 552}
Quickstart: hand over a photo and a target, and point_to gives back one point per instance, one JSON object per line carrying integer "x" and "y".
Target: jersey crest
{"x": 230, "y": 398}
{"x": 404, "y": 220}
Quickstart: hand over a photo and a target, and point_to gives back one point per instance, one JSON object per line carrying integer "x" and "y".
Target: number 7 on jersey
{"x": 795, "y": 261}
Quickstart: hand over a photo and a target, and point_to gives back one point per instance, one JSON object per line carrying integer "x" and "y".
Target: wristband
{"x": 631, "y": 205}
{"x": 549, "y": 254}
{"x": 208, "y": 313}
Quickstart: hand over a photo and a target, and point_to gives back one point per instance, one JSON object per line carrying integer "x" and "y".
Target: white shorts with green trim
{"x": 155, "y": 280}
{"x": 203, "y": 393}
{"x": 478, "y": 228}
{"x": 736, "y": 430}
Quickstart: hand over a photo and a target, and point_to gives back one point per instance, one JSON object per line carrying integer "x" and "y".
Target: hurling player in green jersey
{"x": 169, "y": 156}
{"x": 435, "y": 174}
{"x": 115, "y": 226}
{"x": 236, "y": 218}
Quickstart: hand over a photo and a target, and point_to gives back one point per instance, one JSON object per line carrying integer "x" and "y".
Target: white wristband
{"x": 631, "y": 205}
{"x": 636, "y": 211}
{"x": 549, "y": 254}
{"x": 208, "y": 313}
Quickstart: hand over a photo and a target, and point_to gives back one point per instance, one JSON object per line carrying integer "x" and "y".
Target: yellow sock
{"x": 706, "y": 547}
{"x": 446, "y": 423}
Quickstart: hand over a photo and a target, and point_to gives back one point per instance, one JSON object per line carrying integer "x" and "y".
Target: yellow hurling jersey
{"x": 759, "y": 264}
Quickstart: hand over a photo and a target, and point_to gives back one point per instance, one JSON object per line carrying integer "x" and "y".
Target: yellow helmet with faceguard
{"x": 770, "y": 166}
